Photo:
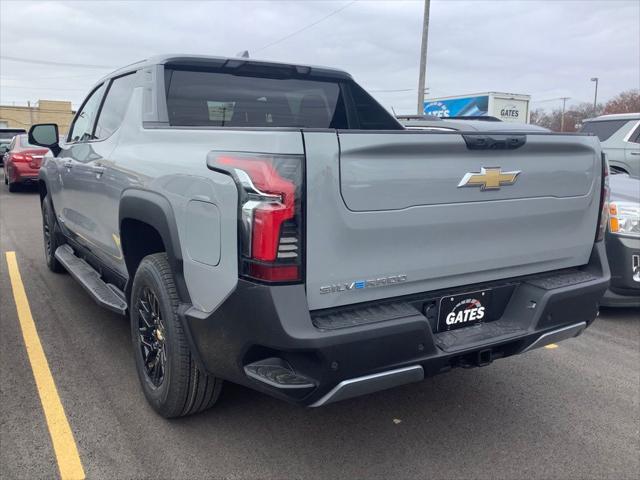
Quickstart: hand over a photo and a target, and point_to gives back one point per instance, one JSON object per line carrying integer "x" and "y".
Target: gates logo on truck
{"x": 361, "y": 284}
{"x": 467, "y": 310}
{"x": 510, "y": 111}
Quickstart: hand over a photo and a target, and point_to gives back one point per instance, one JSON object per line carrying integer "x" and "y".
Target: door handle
{"x": 98, "y": 170}
{"x": 634, "y": 153}
{"x": 68, "y": 164}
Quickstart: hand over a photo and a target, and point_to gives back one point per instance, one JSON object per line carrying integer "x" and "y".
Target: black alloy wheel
{"x": 152, "y": 334}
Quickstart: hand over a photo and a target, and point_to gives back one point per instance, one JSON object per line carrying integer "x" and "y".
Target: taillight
{"x": 21, "y": 157}
{"x": 604, "y": 200}
{"x": 270, "y": 212}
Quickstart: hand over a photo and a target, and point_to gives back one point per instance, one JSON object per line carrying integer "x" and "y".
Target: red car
{"x": 22, "y": 162}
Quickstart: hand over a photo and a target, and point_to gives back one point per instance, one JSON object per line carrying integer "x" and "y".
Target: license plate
{"x": 458, "y": 311}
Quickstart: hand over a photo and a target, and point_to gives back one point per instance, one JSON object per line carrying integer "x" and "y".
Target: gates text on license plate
{"x": 462, "y": 310}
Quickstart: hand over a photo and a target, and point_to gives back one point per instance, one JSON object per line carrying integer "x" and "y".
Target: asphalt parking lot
{"x": 566, "y": 412}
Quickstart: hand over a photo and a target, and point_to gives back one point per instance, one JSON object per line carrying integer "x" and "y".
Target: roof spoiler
{"x": 246, "y": 66}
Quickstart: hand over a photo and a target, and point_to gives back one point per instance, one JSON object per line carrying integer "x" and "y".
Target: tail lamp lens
{"x": 604, "y": 200}
{"x": 270, "y": 213}
{"x": 21, "y": 157}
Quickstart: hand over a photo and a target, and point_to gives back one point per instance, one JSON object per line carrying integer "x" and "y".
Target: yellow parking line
{"x": 62, "y": 439}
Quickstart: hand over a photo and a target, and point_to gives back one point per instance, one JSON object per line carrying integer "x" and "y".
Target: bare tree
{"x": 573, "y": 117}
{"x": 625, "y": 102}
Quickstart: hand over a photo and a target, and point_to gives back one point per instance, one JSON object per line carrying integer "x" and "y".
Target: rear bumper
{"x": 22, "y": 174}
{"x": 258, "y": 323}
{"x": 613, "y": 299}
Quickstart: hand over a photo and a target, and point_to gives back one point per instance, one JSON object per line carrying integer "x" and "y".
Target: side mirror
{"x": 45, "y": 135}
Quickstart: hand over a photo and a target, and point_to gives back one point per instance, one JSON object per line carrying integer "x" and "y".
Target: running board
{"x": 104, "y": 294}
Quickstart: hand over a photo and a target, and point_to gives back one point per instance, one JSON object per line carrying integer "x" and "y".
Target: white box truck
{"x": 508, "y": 107}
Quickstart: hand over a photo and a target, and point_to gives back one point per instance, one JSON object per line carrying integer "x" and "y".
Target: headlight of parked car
{"x": 624, "y": 218}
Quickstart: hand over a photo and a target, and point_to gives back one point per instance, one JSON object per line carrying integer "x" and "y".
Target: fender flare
{"x": 155, "y": 210}
{"x": 42, "y": 178}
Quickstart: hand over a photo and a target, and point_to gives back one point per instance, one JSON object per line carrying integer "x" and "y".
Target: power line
{"x": 45, "y": 88}
{"x": 547, "y": 100}
{"x": 58, "y": 64}
{"x": 393, "y": 90}
{"x": 306, "y": 27}
{"x": 57, "y": 77}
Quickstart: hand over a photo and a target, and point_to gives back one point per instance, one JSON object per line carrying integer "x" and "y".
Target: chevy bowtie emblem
{"x": 490, "y": 178}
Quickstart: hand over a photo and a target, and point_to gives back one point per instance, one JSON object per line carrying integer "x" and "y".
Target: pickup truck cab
{"x": 272, "y": 225}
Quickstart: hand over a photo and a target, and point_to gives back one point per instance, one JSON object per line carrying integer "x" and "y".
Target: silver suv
{"x": 619, "y": 136}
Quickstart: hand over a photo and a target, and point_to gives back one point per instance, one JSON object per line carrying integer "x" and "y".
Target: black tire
{"x": 51, "y": 235}
{"x": 173, "y": 385}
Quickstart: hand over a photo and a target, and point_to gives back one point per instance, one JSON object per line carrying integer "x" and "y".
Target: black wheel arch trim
{"x": 42, "y": 179}
{"x": 155, "y": 210}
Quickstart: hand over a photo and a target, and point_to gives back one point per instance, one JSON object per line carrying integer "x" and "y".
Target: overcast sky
{"x": 544, "y": 48}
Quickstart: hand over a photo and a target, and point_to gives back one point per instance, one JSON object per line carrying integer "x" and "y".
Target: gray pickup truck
{"x": 272, "y": 225}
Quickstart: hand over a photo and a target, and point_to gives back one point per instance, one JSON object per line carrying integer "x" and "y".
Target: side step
{"x": 105, "y": 294}
{"x": 277, "y": 373}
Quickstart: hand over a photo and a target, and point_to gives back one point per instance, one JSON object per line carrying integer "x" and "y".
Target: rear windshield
{"x": 603, "y": 129}
{"x": 23, "y": 141}
{"x": 217, "y": 99}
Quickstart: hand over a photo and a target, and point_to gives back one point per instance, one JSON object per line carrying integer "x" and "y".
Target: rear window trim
{"x": 634, "y": 134}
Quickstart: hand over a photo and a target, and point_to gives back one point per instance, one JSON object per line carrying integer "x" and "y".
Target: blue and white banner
{"x": 458, "y": 107}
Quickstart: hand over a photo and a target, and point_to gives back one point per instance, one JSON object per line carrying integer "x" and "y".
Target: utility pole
{"x": 595, "y": 96}
{"x": 423, "y": 58}
{"x": 564, "y": 103}
{"x": 30, "y": 113}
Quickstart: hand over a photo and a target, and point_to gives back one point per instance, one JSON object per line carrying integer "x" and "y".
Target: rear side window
{"x": 603, "y": 129}
{"x": 220, "y": 99}
{"x": 370, "y": 114}
{"x": 115, "y": 105}
{"x": 635, "y": 136}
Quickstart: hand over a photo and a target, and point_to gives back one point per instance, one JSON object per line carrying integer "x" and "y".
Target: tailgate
{"x": 387, "y": 214}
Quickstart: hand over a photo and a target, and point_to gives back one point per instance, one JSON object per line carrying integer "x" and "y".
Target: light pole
{"x": 423, "y": 58}
{"x": 595, "y": 96}
{"x": 564, "y": 103}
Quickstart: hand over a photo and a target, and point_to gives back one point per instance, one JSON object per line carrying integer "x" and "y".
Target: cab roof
{"x": 232, "y": 63}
